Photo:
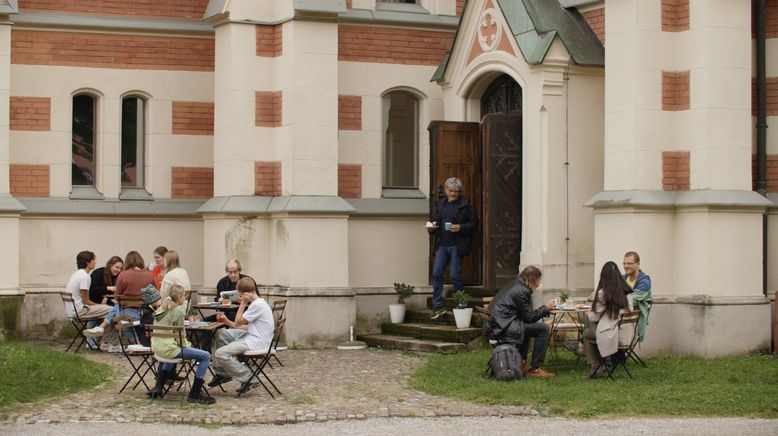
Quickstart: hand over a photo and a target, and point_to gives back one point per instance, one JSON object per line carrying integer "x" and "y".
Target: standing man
{"x": 453, "y": 224}
{"x": 515, "y": 321}
{"x": 640, "y": 283}
{"x": 254, "y": 313}
{"x": 78, "y": 286}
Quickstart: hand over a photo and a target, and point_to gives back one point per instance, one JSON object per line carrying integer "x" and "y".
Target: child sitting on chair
{"x": 171, "y": 313}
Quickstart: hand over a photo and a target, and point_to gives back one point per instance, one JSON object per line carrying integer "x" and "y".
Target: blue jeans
{"x": 132, "y": 312}
{"x": 202, "y": 357}
{"x": 443, "y": 256}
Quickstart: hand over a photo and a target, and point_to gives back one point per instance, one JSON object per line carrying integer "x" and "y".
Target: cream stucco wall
{"x": 244, "y": 238}
{"x": 163, "y": 149}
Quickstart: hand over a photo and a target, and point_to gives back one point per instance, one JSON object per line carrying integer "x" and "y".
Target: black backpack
{"x": 506, "y": 363}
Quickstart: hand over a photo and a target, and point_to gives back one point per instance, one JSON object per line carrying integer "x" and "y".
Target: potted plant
{"x": 563, "y": 298}
{"x": 397, "y": 311}
{"x": 462, "y": 313}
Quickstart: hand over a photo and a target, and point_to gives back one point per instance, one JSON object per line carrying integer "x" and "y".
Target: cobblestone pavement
{"x": 317, "y": 385}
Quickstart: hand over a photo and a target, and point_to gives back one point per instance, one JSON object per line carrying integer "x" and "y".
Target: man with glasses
{"x": 640, "y": 283}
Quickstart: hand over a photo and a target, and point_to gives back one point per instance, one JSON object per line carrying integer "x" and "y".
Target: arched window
{"x": 83, "y": 131}
{"x": 401, "y": 140}
{"x": 133, "y": 141}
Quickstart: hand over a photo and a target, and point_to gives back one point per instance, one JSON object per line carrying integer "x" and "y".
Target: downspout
{"x": 761, "y": 127}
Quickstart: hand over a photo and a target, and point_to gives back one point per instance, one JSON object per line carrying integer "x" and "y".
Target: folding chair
{"x": 630, "y": 351}
{"x": 141, "y": 358}
{"x": 256, "y": 360}
{"x": 78, "y": 323}
{"x": 184, "y": 366}
{"x": 483, "y": 312}
{"x": 279, "y": 307}
{"x": 611, "y": 363}
{"x": 131, "y": 302}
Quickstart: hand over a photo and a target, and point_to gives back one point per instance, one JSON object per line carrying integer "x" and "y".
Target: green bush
{"x": 403, "y": 291}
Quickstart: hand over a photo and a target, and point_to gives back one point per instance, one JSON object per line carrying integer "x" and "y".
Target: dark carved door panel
{"x": 501, "y": 197}
{"x": 455, "y": 151}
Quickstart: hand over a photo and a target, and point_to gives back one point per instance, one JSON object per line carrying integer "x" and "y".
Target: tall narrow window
{"x": 83, "y": 160}
{"x": 401, "y": 127}
{"x": 133, "y": 141}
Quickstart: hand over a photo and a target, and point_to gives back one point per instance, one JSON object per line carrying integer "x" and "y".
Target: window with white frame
{"x": 400, "y": 140}
{"x": 83, "y": 140}
{"x": 133, "y": 140}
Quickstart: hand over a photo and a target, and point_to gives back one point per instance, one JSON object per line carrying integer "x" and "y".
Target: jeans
{"x": 539, "y": 331}
{"x": 132, "y": 312}
{"x": 202, "y": 357}
{"x": 443, "y": 256}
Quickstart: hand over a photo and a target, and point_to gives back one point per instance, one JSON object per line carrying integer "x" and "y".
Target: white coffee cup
{"x": 447, "y": 226}
{"x": 203, "y": 299}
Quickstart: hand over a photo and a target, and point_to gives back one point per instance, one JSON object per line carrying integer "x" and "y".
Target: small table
{"x": 195, "y": 332}
{"x": 566, "y": 320}
{"x": 215, "y": 306}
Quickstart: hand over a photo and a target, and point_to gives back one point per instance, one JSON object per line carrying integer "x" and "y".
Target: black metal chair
{"x": 630, "y": 351}
{"x": 79, "y": 324}
{"x": 279, "y": 309}
{"x": 256, "y": 360}
{"x": 184, "y": 368}
{"x": 611, "y": 363}
{"x": 140, "y": 358}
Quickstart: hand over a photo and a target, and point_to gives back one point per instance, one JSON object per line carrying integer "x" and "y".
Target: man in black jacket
{"x": 515, "y": 321}
{"x": 453, "y": 225}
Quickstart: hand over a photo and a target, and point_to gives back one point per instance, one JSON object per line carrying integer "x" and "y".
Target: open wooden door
{"x": 455, "y": 151}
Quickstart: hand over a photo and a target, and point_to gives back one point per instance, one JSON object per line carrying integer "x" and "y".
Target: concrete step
{"x": 411, "y": 344}
{"x": 440, "y": 332}
{"x": 423, "y": 317}
{"x": 450, "y": 303}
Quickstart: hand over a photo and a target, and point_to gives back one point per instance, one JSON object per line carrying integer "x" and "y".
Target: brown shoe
{"x": 540, "y": 373}
{"x": 524, "y": 368}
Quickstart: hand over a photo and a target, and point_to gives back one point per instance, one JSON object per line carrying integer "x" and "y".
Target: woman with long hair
{"x": 174, "y": 274}
{"x": 104, "y": 280}
{"x": 601, "y": 336}
{"x": 171, "y": 312}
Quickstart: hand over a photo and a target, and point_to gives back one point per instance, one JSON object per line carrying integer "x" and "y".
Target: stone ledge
{"x": 708, "y": 300}
{"x": 67, "y": 206}
{"x": 258, "y": 205}
{"x": 675, "y": 199}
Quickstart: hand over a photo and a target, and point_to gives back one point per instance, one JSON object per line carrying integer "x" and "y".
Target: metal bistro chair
{"x": 183, "y": 366}
{"x": 78, "y": 323}
{"x": 611, "y": 363}
{"x": 483, "y": 312}
{"x": 256, "y": 360}
{"x": 131, "y": 302}
{"x": 630, "y": 351}
{"x": 141, "y": 358}
{"x": 279, "y": 309}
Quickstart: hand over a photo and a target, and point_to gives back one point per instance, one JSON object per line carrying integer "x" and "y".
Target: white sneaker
{"x": 104, "y": 347}
{"x": 114, "y": 348}
{"x": 94, "y": 332}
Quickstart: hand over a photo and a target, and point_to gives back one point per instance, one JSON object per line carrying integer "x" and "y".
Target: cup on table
{"x": 220, "y": 317}
{"x": 203, "y": 299}
{"x": 226, "y": 301}
{"x": 447, "y": 226}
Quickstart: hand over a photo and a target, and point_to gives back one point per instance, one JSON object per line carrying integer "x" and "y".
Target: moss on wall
{"x": 10, "y": 315}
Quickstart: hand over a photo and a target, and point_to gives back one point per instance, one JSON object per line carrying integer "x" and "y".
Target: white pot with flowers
{"x": 397, "y": 311}
{"x": 462, "y": 313}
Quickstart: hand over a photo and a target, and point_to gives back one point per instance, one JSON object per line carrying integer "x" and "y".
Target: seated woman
{"x": 104, "y": 280}
{"x": 128, "y": 284}
{"x": 171, "y": 313}
{"x": 601, "y": 336}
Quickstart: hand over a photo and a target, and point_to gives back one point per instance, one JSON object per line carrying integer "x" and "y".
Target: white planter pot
{"x": 397, "y": 313}
{"x": 462, "y": 317}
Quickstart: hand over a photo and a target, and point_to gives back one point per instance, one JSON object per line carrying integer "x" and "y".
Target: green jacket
{"x": 169, "y": 348}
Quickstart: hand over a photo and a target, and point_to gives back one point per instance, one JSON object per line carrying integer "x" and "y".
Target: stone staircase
{"x": 420, "y": 333}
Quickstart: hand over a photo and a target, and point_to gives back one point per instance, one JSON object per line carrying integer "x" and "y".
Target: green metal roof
{"x": 535, "y": 23}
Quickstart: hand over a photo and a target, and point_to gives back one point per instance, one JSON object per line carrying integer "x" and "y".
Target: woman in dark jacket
{"x": 104, "y": 280}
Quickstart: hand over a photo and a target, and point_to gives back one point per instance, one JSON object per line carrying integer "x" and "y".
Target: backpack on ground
{"x": 506, "y": 363}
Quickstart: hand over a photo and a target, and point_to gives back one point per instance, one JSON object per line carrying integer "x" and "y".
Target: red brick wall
{"x": 460, "y": 7}
{"x": 269, "y": 40}
{"x": 267, "y": 178}
{"x": 772, "y": 96}
{"x": 31, "y": 113}
{"x": 596, "y": 20}
{"x": 29, "y": 180}
{"x": 348, "y": 3}
{"x": 187, "y": 9}
{"x": 772, "y": 172}
{"x": 192, "y": 182}
{"x": 675, "y": 15}
{"x": 771, "y": 19}
{"x": 96, "y": 50}
{"x": 392, "y": 46}
{"x": 675, "y": 90}
{"x": 350, "y": 180}
{"x": 268, "y": 106}
{"x": 675, "y": 170}
{"x": 349, "y": 112}
{"x": 192, "y": 118}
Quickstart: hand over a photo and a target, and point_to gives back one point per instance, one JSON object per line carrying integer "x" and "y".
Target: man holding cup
{"x": 453, "y": 224}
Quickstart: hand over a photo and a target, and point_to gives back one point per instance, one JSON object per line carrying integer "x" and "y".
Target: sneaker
{"x": 437, "y": 313}
{"x": 247, "y": 386}
{"x": 114, "y": 348}
{"x": 540, "y": 373}
{"x": 94, "y": 332}
{"x": 217, "y": 380}
{"x": 524, "y": 368}
{"x": 575, "y": 347}
{"x": 104, "y": 347}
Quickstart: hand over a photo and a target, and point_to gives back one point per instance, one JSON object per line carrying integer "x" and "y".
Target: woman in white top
{"x": 174, "y": 274}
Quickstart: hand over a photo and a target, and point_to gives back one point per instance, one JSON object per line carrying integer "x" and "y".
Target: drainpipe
{"x": 761, "y": 127}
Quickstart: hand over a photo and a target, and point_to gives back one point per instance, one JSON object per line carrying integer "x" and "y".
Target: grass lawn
{"x": 30, "y": 372}
{"x": 670, "y": 386}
